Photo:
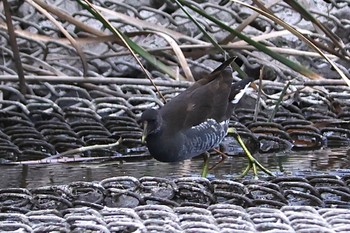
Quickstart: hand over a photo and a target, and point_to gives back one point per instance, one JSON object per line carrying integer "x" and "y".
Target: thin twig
{"x": 83, "y": 149}
{"x": 92, "y": 9}
{"x": 95, "y": 80}
{"x": 278, "y": 103}
{"x": 14, "y": 46}
{"x": 65, "y": 33}
{"x": 257, "y": 104}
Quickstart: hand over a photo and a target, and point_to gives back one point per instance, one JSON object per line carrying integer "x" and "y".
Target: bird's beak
{"x": 144, "y": 134}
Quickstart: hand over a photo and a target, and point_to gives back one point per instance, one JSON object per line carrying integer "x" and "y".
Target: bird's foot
{"x": 254, "y": 164}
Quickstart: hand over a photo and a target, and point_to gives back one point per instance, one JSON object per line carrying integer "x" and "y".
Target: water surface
{"x": 297, "y": 162}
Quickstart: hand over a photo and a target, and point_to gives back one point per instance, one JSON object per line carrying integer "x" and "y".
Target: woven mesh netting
{"x": 54, "y": 118}
{"x": 61, "y": 113}
{"x": 69, "y": 105}
{"x": 44, "y": 54}
{"x": 285, "y": 204}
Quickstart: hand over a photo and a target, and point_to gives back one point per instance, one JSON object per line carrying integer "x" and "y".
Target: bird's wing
{"x": 206, "y": 98}
{"x": 213, "y": 75}
{"x": 209, "y": 101}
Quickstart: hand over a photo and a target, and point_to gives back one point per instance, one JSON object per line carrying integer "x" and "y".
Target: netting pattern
{"x": 54, "y": 118}
{"x": 62, "y": 111}
{"x": 152, "y": 204}
{"x": 43, "y": 54}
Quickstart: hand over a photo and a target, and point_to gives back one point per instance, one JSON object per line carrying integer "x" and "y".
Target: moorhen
{"x": 196, "y": 120}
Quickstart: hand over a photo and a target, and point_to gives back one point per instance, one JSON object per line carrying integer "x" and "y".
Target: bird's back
{"x": 196, "y": 120}
{"x": 210, "y": 100}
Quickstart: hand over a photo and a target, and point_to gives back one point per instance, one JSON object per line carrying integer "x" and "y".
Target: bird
{"x": 196, "y": 120}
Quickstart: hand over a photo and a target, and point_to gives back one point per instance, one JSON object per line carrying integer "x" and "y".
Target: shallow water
{"x": 296, "y": 162}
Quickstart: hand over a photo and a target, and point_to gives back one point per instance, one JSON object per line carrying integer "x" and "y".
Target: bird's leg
{"x": 223, "y": 158}
{"x": 253, "y": 163}
{"x": 205, "y": 164}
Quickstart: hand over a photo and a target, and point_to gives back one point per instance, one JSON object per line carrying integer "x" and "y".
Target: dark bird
{"x": 194, "y": 121}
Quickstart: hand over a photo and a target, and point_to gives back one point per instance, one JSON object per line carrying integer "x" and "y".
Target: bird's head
{"x": 151, "y": 121}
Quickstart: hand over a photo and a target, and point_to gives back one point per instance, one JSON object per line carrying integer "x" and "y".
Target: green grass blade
{"x": 306, "y": 15}
{"x": 132, "y": 46}
{"x": 301, "y": 69}
{"x": 212, "y": 40}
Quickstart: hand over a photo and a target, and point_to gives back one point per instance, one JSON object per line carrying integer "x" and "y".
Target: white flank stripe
{"x": 240, "y": 94}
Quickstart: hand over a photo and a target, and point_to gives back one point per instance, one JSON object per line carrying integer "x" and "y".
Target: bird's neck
{"x": 160, "y": 148}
